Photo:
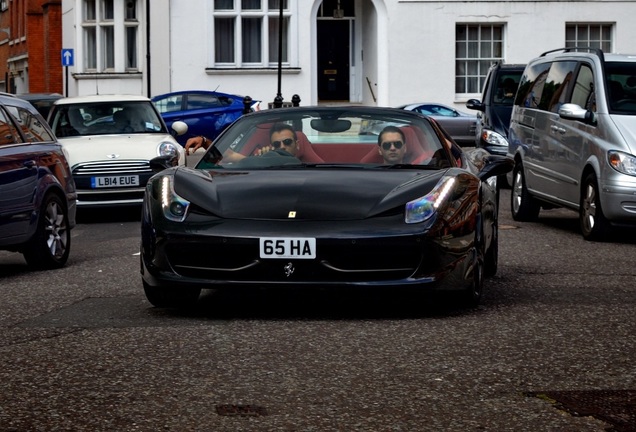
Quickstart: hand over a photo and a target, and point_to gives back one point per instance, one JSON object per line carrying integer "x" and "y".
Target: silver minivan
{"x": 573, "y": 138}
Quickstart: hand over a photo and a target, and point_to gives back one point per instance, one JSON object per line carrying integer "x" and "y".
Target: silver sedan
{"x": 459, "y": 125}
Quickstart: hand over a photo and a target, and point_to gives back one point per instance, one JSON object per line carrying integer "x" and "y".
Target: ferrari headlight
{"x": 425, "y": 207}
{"x": 174, "y": 207}
{"x": 167, "y": 148}
{"x": 622, "y": 162}
{"x": 493, "y": 138}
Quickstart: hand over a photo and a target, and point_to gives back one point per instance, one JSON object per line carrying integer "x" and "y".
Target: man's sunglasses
{"x": 286, "y": 142}
{"x": 387, "y": 145}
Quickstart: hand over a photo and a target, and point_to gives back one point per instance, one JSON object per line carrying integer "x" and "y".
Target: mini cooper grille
{"x": 112, "y": 167}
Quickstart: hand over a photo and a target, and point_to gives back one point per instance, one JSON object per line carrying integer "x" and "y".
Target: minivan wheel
{"x": 522, "y": 205}
{"x": 50, "y": 245}
{"x": 594, "y": 225}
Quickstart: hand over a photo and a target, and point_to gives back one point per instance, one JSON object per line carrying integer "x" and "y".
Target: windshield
{"x": 103, "y": 118}
{"x": 621, "y": 86}
{"x": 328, "y": 137}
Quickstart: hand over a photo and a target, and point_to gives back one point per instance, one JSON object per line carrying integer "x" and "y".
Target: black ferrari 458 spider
{"x": 306, "y": 196}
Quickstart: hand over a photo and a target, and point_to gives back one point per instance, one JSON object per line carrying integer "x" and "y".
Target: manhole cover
{"x": 616, "y": 407}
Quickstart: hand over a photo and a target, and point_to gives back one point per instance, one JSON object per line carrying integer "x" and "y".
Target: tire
{"x": 50, "y": 245}
{"x": 594, "y": 225}
{"x": 163, "y": 297}
{"x": 523, "y": 206}
{"x": 491, "y": 257}
{"x": 471, "y": 296}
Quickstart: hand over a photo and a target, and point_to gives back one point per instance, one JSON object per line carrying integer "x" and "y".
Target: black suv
{"x": 37, "y": 192}
{"x": 495, "y": 107}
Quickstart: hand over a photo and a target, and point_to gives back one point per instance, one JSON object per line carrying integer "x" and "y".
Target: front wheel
{"x": 524, "y": 207}
{"x": 491, "y": 257}
{"x": 594, "y": 225}
{"x": 50, "y": 245}
{"x": 471, "y": 296}
{"x": 163, "y": 297}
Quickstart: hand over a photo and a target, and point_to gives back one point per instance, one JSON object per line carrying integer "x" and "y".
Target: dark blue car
{"x": 37, "y": 191}
{"x": 205, "y": 112}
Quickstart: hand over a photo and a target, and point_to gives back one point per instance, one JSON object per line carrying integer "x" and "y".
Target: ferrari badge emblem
{"x": 291, "y": 215}
{"x": 289, "y": 269}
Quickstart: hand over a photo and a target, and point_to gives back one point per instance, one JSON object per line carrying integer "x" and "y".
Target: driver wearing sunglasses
{"x": 392, "y": 145}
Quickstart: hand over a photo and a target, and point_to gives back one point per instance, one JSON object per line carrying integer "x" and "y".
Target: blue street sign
{"x": 67, "y": 57}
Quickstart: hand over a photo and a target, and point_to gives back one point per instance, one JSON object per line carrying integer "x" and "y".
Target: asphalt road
{"x": 82, "y": 350}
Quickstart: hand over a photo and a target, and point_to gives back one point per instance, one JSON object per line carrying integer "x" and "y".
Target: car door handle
{"x": 557, "y": 129}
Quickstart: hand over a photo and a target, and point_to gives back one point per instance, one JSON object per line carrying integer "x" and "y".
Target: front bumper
{"x": 378, "y": 252}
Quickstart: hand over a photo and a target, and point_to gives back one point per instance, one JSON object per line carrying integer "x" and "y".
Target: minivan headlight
{"x": 622, "y": 162}
{"x": 494, "y": 138}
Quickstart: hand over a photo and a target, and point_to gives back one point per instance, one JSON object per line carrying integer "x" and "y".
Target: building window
{"x": 246, "y": 33}
{"x": 107, "y": 24}
{"x": 476, "y": 48}
{"x": 589, "y": 35}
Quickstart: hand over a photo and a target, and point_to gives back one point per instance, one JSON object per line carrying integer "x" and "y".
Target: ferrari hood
{"x": 303, "y": 193}
{"x": 83, "y": 149}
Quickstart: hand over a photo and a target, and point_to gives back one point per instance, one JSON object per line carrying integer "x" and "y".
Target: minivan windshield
{"x": 621, "y": 87}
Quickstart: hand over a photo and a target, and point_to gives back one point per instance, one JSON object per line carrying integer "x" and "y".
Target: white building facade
{"x": 371, "y": 52}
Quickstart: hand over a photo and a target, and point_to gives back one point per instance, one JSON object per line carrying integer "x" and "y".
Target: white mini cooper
{"x": 110, "y": 140}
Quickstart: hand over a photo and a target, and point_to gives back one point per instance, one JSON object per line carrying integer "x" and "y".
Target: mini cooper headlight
{"x": 167, "y": 148}
{"x": 174, "y": 207}
{"x": 622, "y": 162}
{"x": 425, "y": 207}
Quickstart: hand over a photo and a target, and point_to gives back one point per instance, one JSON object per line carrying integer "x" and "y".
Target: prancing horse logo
{"x": 112, "y": 156}
{"x": 289, "y": 269}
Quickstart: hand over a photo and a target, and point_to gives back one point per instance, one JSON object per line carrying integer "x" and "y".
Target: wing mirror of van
{"x": 572, "y": 111}
{"x": 475, "y": 104}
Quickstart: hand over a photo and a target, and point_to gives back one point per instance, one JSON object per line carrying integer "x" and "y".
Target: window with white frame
{"x": 107, "y": 24}
{"x": 246, "y": 33}
{"x": 589, "y": 35}
{"x": 477, "y": 47}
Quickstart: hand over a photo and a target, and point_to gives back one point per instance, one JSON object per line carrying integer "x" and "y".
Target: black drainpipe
{"x": 148, "y": 47}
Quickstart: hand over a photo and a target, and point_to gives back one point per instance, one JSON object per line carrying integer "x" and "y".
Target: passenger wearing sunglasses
{"x": 282, "y": 141}
{"x": 392, "y": 145}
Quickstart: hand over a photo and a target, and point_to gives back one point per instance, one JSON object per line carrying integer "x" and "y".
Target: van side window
{"x": 583, "y": 93}
{"x": 557, "y": 85}
{"x": 531, "y": 85}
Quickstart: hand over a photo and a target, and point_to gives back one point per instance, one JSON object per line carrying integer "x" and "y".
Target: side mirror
{"x": 489, "y": 165}
{"x": 161, "y": 163}
{"x": 475, "y": 104}
{"x": 179, "y": 128}
{"x": 572, "y": 111}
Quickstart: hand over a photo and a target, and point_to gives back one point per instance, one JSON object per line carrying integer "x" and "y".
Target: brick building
{"x": 30, "y": 46}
